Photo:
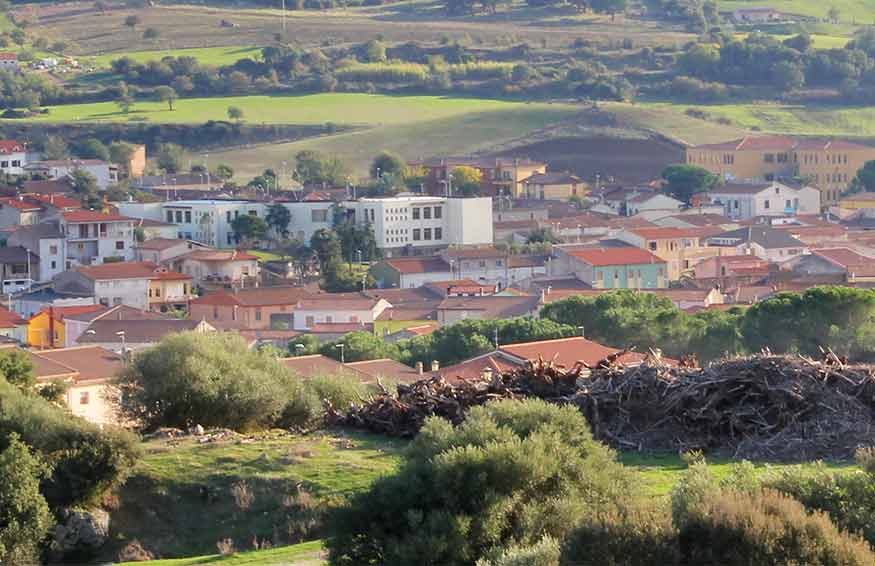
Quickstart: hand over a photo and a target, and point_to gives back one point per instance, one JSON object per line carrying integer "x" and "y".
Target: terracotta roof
{"x": 94, "y": 216}
{"x": 20, "y": 204}
{"x": 418, "y": 265}
{"x": 472, "y": 369}
{"x": 844, "y": 257}
{"x": 8, "y": 56}
{"x": 492, "y": 307}
{"x": 409, "y": 313}
{"x": 318, "y": 365}
{"x": 256, "y": 297}
{"x": 669, "y": 232}
{"x": 130, "y": 270}
{"x": 340, "y": 327}
{"x": 567, "y": 351}
{"x": 9, "y": 319}
{"x": 706, "y": 219}
{"x": 60, "y": 313}
{"x": 10, "y": 146}
{"x": 552, "y": 179}
{"x": 160, "y": 243}
{"x": 782, "y": 143}
{"x": 329, "y": 303}
{"x": 526, "y": 261}
{"x": 385, "y": 368}
{"x": 90, "y": 362}
{"x": 474, "y": 253}
{"x": 48, "y": 186}
{"x": 55, "y": 200}
{"x": 602, "y": 257}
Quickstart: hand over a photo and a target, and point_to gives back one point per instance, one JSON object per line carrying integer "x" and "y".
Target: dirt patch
{"x": 626, "y": 160}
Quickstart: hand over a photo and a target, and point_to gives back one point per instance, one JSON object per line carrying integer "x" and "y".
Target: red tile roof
{"x": 130, "y": 270}
{"x": 219, "y": 255}
{"x": 418, "y": 265}
{"x": 9, "y": 319}
{"x": 160, "y": 243}
{"x": 387, "y": 369}
{"x": 782, "y": 143}
{"x": 317, "y": 365}
{"x": 94, "y": 216}
{"x": 670, "y": 232}
{"x": 60, "y": 313}
{"x": 20, "y": 204}
{"x": 844, "y": 257}
{"x": 10, "y": 146}
{"x": 55, "y": 200}
{"x": 602, "y": 257}
{"x": 8, "y": 56}
{"x": 567, "y": 351}
{"x": 257, "y": 297}
{"x": 90, "y": 362}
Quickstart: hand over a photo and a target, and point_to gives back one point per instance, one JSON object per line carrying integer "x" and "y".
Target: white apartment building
{"x": 742, "y": 201}
{"x": 209, "y": 221}
{"x": 420, "y": 225}
{"x": 92, "y": 237}
{"x": 13, "y": 156}
{"x": 104, "y": 173}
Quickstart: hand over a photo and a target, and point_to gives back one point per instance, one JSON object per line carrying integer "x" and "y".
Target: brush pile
{"x": 764, "y": 407}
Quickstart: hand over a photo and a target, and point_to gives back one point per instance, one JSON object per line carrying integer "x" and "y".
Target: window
{"x": 227, "y": 216}
{"x": 782, "y": 158}
{"x": 416, "y": 232}
{"x": 257, "y": 314}
{"x": 735, "y": 205}
{"x": 426, "y": 213}
{"x": 426, "y": 233}
{"x": 253, "y": 213}
{"x": 788, "y": 203}
{"x": 652, "y": 246}
{"x": 438, "y": 212}
{"x": 329, "y": 319}
{"x": 481, "y": 263}
{"x": 83, "y": 397}
{"x": 188, "y": 217}
{"x": 116, "y": 301}
{"x": 766, "y": 203}
{"x": 119, "y": 245}
{"x": 179, "y": 217}
{"x": 438, "y": 233}
{"x": 769, "y": 157}
{"x": 353, "y": 318}
{"x": 215, "y": 312}
{"x": 416, "y": 213}
{"x": 54, "y": 264}
{"x": 169, "y": 216}
{"x": 53, "y": 250}
{"x": 309, "y": 322}
{"x": 4, "y": 164}
{"x": 319, "y": 215}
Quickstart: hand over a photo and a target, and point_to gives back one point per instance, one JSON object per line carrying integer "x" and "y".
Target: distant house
{"x": 554, "y": 186}
{"x": 47, "y": 329}
{"x": 47, "y": 243}
{"x": 13, "y": 155}
{"x": 855, "y": 267}
{"x": 156, "y": 228}
{"x": 455, "y": 309}
{"x": 652, "y": 205}
{"x": 160, "y": 250}
{"x": 499, "y": 175}
{"x": 611, "y": 268}
{"x": 9, "y": 61}
{"x": 756, "y": 15}
{"x": 134, "y": 335}
{"x": 764, "y": 242}
{"x": 12, "y": 326}
{"x": 742, "y": 201}
{"x": 410, "y": 272}
{"x": 76, "y": 324}
{"x": 563, "y": 351}
{"x": 327, "y": 309}
{"x": 681, "y": 248}
{"x": 92, "y": 236}
{"x": 18, "y": 212}
{"x": 221, "y": 266}
{"x": 105, "y": 174}
{"x": 19, "y": 268}
{"x": 257, "y": 308}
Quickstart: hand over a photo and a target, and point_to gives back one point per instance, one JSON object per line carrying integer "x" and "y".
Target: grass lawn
{"x": 818, "y": 40}
{"x": 264, "y": 256}
{"x": 859, "y": 11}
{"x": 212, "y": 56}
{"x": 303, "y": 554}
{"x": 346, "y": 108}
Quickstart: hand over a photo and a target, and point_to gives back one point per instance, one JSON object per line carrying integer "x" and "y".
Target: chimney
{"x": 435, "y": 366}
{"x": 419, "y": 368}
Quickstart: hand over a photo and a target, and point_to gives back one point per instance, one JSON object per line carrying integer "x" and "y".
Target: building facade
{"x": 611, "y": 268}
{"x": 498, "y": 175}
{"x": 741, "y": 201}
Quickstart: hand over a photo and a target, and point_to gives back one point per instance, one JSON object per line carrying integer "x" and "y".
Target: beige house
{"x": 681, "y": 248}
{"x": 828, "y": 165}
{"x": 554, "y": 186}
{"x": 498, "y": 175}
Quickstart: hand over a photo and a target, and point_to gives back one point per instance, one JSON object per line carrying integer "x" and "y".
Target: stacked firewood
{"x": 765, "y": 406}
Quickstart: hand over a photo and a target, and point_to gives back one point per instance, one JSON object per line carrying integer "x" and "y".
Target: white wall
{"x": 469, "y": 221}
{"x": 13, "y": 163}
{"x": 130, "y": 292}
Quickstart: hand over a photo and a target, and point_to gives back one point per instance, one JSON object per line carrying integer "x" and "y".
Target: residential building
{"x": 48, "y": 329}
{"x": 135, "y": 335}
{"x": 161, "y": 250}
{"x": 858, "y": 201}
{"x": 509, "y": 210}
{"x": 499, "y": 175}
{"x": 370, "y": 371}
{"x": 685, "y": 299}
{"x": 105, "y": 174}
{"x": 170, "y": 185}
{"x": 624, "y": 267}
{"x": 89, "y": 373}
{"x": 155, "y": 229}
{"x": 756, "y": 15}
{"x": 220, "y": 266}
{"x": 410, "y": 272}
{"x": 9, "y": 61}
{"x": 563, "y": 351}
{"x": 61, "y": 186}
{"x": 256, "y": 308}
{"x": 731, "y": 270}
{"x": 742, "y": 201}
{"x": 19, "y": 268}
{"x": 697, "y": 220}
{"x": 360, "y": 309}
{"x": 829, "y": 165}
{"x": 77, "y": 323}
{"x": 92, "y": 237}
{"x": 15, "y": 211}
{"x": 554, "y": 186}
{"x": 29, "y": 304}
{"x": 652, "y": 205}
{"x": 488, "y": 265}
{"x": 764, "y": 242}
{"x": 47, "y": 244}
{"x": 142, "y": 285}
{"x": 455, "y": 309}
{"x": 12, "y": 326}
{"x": 680, "y": 248}
{"x": 53, "y": 204}
{"x": 419, "y": 225}
{"x": 13, "y": 157}
{"x": 853, "y": 266}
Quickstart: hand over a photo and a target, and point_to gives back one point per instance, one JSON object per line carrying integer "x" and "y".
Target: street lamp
{"x": 340, "y": 346}
{"x": 121, "y": 334}
{"x": 358, "y": 254}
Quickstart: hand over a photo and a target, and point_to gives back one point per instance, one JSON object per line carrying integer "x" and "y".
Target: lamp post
{"x": 340, "y": 346}
{"x": 358, "y": 254}
{"x": 121, "y": 334}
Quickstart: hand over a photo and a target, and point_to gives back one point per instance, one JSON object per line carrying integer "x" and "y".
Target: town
{"x": 438, "y": 282}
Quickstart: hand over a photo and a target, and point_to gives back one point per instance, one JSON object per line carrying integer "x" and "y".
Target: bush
{"x": 543, "y": 553}
{"x": 24, "y": 514}
{"x": 208, "y": 379}
{"x": 511, "y": 473}
{"x": 735, "y": 528}
{"x": 85, "y": 461}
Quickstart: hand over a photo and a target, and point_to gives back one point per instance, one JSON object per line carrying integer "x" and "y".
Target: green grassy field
{"x": 818, "y": 40}
{"x": 211, "y": 56}
{"x": 862, "y": 11}
{"x": 303, "y": 554}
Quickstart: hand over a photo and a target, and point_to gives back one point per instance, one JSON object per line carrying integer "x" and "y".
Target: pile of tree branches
{"x": 764, "y": 406}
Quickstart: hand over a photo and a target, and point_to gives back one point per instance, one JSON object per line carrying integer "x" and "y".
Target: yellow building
{"x": 554, "y": 186}
{"x": 830, "y": 165}
{"x": 498, "y": 175}
{"x": 858, "y": 201}
{"x": 47, "y": 329}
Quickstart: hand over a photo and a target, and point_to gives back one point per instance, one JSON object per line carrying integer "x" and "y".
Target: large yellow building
{"x": 830, "y": 165}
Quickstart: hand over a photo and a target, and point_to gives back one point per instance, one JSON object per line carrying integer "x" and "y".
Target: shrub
{"x": 24, "y": 514}
{"x": 85, "y": 461}
{"x": 543, "y": 553}
{"x": 511, "y": 473}
{"x": 207, "y": 379}
{"x": 340, "y": 390}
{"x": 134, "y": 552}
{"x": 735, "y": 528}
